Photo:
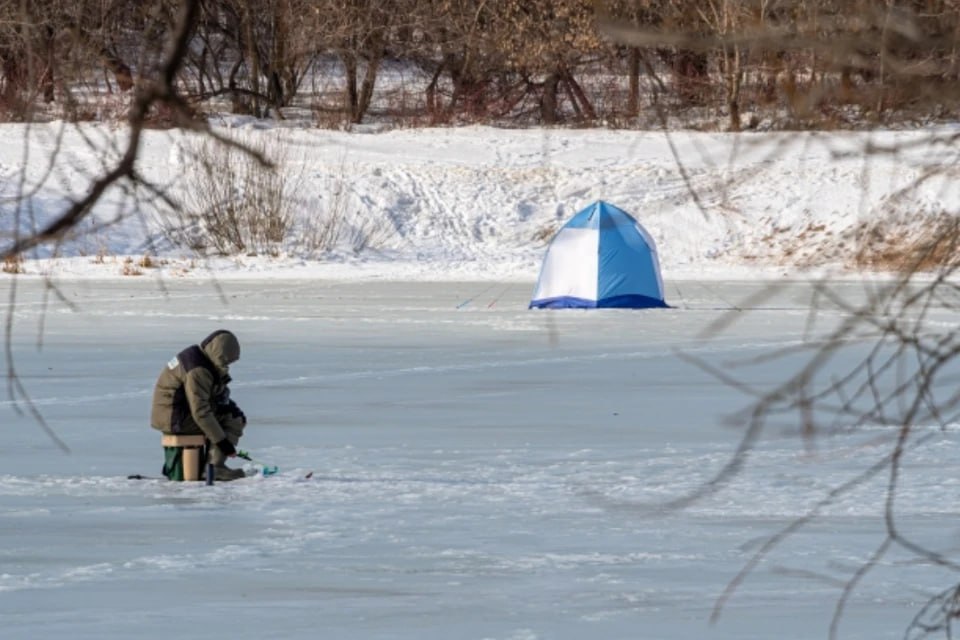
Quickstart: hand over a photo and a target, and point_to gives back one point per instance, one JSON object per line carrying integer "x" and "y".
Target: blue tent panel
{"x": 616, "y": 302}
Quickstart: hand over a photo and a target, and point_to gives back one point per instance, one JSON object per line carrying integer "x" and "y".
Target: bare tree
{"x": 255, "y": 51}
{"x": 360, "y": 41}
{"x": 27, "y": 34}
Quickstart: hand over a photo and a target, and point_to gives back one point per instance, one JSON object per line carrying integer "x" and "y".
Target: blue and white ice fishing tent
{"x": 601, "y": 258}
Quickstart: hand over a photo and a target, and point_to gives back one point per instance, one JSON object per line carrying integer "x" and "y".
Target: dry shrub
{"x": 905, "y": 246}
{"x": 895, "y": 243}
{"x": 365, "y": 232}
{"x": 13, "y": 264}
{"x": 335, "y": 119}
{"x": 130, "y": 268}
{"x": 339, "y": 222}
{"x": 321, "y": 230}
{"x": 545, "y": 233}
{"x": 233, "y": 202}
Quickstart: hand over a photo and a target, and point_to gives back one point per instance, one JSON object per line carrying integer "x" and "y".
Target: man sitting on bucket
{"x": 191, "y": 398}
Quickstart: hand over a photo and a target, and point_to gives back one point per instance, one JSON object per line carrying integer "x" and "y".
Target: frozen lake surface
{"x": 473, "y": 470}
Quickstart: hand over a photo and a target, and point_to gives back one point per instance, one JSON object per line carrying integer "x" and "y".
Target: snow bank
{"x": 480, "y": 203}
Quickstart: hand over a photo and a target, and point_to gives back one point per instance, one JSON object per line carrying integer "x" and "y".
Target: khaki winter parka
{"x": 185, "y": 396}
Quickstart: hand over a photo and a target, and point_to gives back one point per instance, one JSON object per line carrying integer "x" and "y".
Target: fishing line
{"x": 471, "y": 299}
{"x": 683, "y": 302}
{"x": 497, "y": 299}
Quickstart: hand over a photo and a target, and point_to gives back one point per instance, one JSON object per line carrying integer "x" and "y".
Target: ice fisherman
{"x": 191, "y": 397}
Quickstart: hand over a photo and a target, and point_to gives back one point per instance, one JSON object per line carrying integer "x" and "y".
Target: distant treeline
{"x": 635, "y": 63}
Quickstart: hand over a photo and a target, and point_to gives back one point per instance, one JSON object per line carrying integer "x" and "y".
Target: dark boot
{"x": 221, "y": 472}
{"x": 226, "y": 474}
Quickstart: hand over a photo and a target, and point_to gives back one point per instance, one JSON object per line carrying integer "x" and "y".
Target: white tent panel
{"x": 570, "y": 267}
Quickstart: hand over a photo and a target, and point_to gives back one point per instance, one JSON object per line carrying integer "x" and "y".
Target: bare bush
{"x": 321, "y": 227}
{"x": 13, "y": 264}
{"x": 336, "y": 221}
{"x": 891, "y": 241}
{"x": 904, "y": 246}
{"x": 231, "y": 202}
{"x": 130, "y": 268}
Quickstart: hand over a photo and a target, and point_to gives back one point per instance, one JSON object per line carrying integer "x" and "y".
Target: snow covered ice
{"x": 477, "y": 471}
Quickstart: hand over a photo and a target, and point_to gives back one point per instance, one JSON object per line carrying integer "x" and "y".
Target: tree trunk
{"x": 47, "y": 78}
{"x": 351, "y": 94}
{"x": 578, "y": 112}
{"x": 239, "y": 102}
{"x": 276, "y": 93}
{"x": 580, "y": 98}
{"x": 633, "y": 95}
{"x": 433, "y": 107}
{"x": 548, "y": 100}
{"x": 458, "y": 77}
{"x": 690, "y": 72}
{"x": 732, "y": 60}
{"x": 253, "y": 59}
{"x": 366, "y": 88}
{"x": 12, "y": 81}
{"x": 278, "y": 97}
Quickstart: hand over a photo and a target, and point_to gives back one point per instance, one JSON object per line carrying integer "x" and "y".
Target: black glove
{"x": 227, "y": 448}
